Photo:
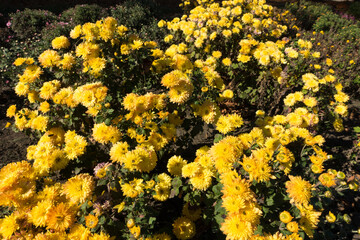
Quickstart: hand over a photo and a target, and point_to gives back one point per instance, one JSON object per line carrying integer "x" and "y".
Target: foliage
{"x": 28, "y": 22}
{"x": 28, "y": 47}
{"x": 351, "y": 33}
{"x": 354, "y": 9}
{"x": 140, "y": 18}
{"x": 308, "y": 12}
{"x": 330, "y": 21}
{"x": 343, "y": 53}
{"x": 136, "y": 15}
{"x": 5, "y": 34}
{"x": 51, "y": 31}
{"x": 81, "y": 14}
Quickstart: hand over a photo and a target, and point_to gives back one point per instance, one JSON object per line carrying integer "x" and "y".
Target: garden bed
{"x": 233, "y": 121}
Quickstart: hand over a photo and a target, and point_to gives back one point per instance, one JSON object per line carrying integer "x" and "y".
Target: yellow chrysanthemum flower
{"x": 60, "y": 217}
{"x": 228, "y": 123}
{"x": 79, "y": 231}
{"x": 175, "y": 165}
{"x": 11, "y": 111}
{"x": 133, "y": 188}
{"x": 91, "y": 221}
{"x": 292, "y": 227}
{"x": 118, "y": 151}
{"x": 79, "y": 188}
{"x": 76, "y": 32}
{"x": 104, "y": 134}
{"x": 74, "y": 144}
{"x": 8, "y": 226}
{"x": 285, "y": 217}
{"x": 60, "y": 42}
{"x": 49, "y": 58}
{"x": 161, "y": 192}
{"x": 68, "y": 61}
{"x": 184, "y": 228}
{"x": 38, "y": 213}
{"x": 327, "y": 179}
{"x": 236, "y": 228}
{"x": 299, "y": 190}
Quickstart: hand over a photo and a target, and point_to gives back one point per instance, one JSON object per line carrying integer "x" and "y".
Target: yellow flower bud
{"x": 330, "y": 217}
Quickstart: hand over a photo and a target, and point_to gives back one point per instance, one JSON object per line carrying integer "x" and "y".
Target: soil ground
{"x": 12, "y": 144}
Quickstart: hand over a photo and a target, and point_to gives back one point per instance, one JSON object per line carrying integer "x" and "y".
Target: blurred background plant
{"x": 28, "y": 22}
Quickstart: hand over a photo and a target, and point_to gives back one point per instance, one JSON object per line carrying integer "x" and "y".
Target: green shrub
{"x": 4, "y": 36}
{"x": 140, "y": 18}
{"x": 152, "y": 32}
{"x": 16, "y": 48}
{"x": 330, "y": 21}
{"x": 354, "y": 9}
{"x": 344, "y": 54}
{"x": 81, "y": 14}
{"x": 308, "y": 12}
{"x": 54, "y": 30}
{"x": 132, "y": 14}
{"x": 26, "y": 23}
{"x": 351, "y": 33}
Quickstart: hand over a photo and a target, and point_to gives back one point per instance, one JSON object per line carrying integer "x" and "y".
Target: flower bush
{"x": 28, "y": 22}
{"x": 118, "y": 121}
{"x": 81, "y": 14}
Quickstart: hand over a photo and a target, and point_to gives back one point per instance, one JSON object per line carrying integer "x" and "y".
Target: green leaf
{"x": 111, "y": 222}
{"x": 218, "y": 138}
{"x": 108, "y": 121}
{"x": 174, "y": 193}
{"x": 217, "y": 190}
{"x": 77, "y": 170}
{"x": 270, "y": 201}
{"x": 176, "y": 182}
{"x": 84, "y": 206}
{"x": 259, "y": 230}
{"x": 265, "y": 209}
{"x": 102, "y": 220}
{"x": 58, "y": 75}
{"x": 101, "y": 182}
{"x": 302, "y": 235}
{"x": 187, "y": 197}
{"x": 108, "y": 98}
{"x": 152, "y": 220}
{"x": 357, "y": 129}
{"x": 357, "y": 80}
{"x": 218, "y": 207}
{"x": 219, "y": 219}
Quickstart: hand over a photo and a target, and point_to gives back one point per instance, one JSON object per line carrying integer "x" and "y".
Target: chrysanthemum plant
{"x": 125, "y": 128}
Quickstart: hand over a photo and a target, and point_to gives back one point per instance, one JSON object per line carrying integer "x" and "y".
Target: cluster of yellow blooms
{"x": 54, "y": 207}
{"x": 240, "y": 203}
{"x": 237, "y": 161}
